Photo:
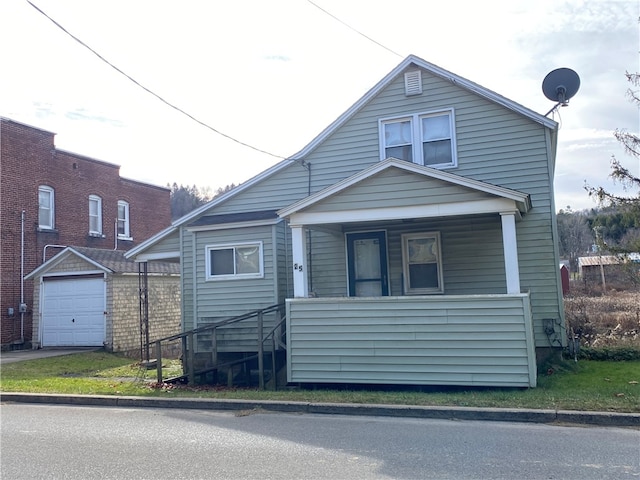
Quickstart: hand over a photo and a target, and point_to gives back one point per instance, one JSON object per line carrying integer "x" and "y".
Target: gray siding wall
{"x": 277, "y": 191}
{"x": 397, "y": 188}
{"x": 465, "y": 270}
{"x": 225, "y": 298}
{"x": 494, "y": 145}
{"x": 187, "y": 280}
{"x": 328, "y": 264}
{"x": 220, "y": 299}
{"x": 282, "y": 235}
{"x": 421, "y": 341}
{"x": 169, "y": 244}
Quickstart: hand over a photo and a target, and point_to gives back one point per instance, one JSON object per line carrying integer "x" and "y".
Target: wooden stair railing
{"x": 188, "y": 347}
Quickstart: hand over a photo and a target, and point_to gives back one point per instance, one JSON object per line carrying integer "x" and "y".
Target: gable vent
{"x": 413, "y": 83}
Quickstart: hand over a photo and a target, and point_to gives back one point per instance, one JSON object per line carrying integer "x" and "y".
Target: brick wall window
{"x": 95, "y": 215}
{"x": 123, "y": 220}
{"x": 46, "y": 207}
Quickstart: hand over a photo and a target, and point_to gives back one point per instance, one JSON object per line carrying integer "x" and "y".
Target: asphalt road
{"x": 77, "y": 442}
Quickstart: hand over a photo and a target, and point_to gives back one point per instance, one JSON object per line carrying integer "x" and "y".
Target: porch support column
{"x": 299, "y": 252}
{"x": 510, "y": 244}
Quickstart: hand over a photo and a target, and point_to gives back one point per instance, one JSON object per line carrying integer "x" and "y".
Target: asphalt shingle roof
{"x": 115, "y": 261}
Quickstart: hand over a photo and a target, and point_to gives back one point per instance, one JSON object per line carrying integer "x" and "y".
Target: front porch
{"x": 417, "y": 282}
{"x": 476, "y": 340}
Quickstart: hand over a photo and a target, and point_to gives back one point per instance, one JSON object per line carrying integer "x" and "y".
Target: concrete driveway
{"x": 22, "y": 355}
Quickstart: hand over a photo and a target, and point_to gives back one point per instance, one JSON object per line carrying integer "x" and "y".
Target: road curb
{"x": 611, "y": 419}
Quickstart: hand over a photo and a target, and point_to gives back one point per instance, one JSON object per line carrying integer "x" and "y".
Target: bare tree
{"x": 628, "y": 204}
{"x": 575, "y": 236}
{"x": 185, "y": 199}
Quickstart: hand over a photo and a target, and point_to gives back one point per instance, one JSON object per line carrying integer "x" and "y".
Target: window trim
{"x": 415, "y": 120}
{"x": 127, "y": 228}
{"x": 405, "y": 264}
{"x": 235, "y": 276}
{"x": 98, "y": 216}
{"x": 52, "y": 207}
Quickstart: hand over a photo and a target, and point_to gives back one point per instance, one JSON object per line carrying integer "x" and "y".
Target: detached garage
{"x": 73, "y": 311}
{"x": 88, "y": 297}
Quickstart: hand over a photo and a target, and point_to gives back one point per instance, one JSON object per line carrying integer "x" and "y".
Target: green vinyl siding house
{"x": 413, "y": 241}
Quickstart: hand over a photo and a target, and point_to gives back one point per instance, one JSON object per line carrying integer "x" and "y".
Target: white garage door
{"x": 73, "y": 312}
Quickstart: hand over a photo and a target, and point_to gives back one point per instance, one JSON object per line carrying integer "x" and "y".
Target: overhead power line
{"x": 150, "y": 91}
{"x": 355, "y": 30}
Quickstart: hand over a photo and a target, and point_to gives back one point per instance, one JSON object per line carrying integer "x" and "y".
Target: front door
{"x": 367, "y": 262}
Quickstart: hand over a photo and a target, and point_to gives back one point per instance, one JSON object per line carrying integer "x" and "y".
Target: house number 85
{"x": 297, "y": 267}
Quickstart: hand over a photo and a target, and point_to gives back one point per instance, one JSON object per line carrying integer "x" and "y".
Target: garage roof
{"x": 110, "y": 261}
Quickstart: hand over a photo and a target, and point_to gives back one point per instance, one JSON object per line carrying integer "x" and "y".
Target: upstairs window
{"x": 46, "y": 207}
{"x": 425, "y": 139}
{"x": 123, "y": 220}
{"x": 234, "y": 261}
{"x": 95, "y": 215}
{"x": 422, "y": 263}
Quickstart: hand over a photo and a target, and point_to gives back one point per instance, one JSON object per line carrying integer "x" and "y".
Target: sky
{"x": 273, "y": 74}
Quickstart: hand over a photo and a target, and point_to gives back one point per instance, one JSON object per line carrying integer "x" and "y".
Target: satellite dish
{"x": 560, "y": 85}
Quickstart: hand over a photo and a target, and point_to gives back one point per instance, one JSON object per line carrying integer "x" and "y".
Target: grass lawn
{"x": 585, "y": 385}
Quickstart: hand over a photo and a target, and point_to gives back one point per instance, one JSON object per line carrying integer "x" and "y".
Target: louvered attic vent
{"x": 412, "y": 83}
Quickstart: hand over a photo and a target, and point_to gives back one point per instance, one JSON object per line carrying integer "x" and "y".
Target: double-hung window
{"x": 234, "y": 261}
{"x": 95, "y": 215}
{"x": 46, "y": 207}
{"x": 124, "y": 231}
{"x": 422, "y": 263}
{"x": 423, "y": 138}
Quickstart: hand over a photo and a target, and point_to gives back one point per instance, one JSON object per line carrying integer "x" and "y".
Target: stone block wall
{"x": 164, "y": 310}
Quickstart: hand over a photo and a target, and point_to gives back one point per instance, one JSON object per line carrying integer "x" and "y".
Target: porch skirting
{"x": 481, "y": 340}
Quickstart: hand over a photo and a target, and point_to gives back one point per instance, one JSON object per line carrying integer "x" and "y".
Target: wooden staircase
{"x": 265, "y": 362}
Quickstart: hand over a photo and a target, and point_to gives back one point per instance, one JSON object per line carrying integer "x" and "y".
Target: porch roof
{"x": 394, "y": 189}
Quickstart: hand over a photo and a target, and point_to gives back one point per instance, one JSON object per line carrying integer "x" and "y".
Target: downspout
{"x": 287, "y": 257}
{"x": 115, "y": 234}
{"x": 22, "y": 277}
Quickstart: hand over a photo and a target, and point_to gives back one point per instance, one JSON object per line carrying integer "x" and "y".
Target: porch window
{"x": 423, "y": 138}
{"x": 234, "y": 261}
{"x": 422, "y": 263}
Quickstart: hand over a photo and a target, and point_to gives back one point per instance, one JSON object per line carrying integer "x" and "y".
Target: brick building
{"x": 51, "y": 198}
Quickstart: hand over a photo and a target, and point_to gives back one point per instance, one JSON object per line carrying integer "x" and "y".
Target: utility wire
{"x": 355, "y": 30}
{"x": 148, "y": 90}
